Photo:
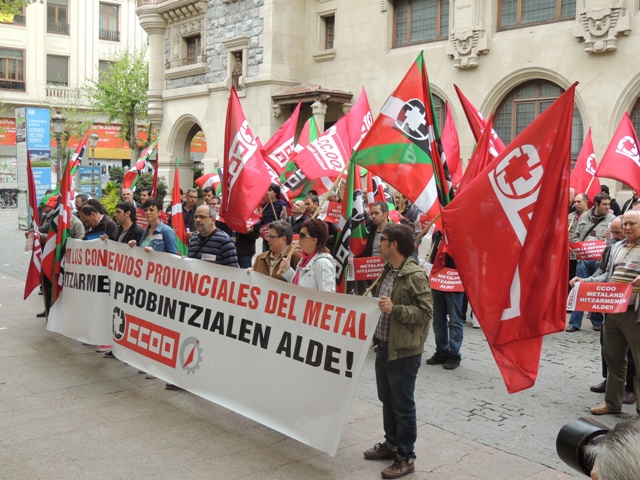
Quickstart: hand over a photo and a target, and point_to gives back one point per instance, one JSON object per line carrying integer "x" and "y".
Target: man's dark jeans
{"x": 396, "y": 381}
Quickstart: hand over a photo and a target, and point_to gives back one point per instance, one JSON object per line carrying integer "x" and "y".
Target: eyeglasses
{"x": 273, "y": 237}
{"x": 304, "y": 235}
{"x": 201, "y": 217}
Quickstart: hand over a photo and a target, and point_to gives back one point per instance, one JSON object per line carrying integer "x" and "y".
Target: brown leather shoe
{"x": 599, "y": 388}
{"x": 398, "y": 469}
{"x": 629, "y": 398}
{"x": 603, "y": 410}
{"x": 381, "y": 451}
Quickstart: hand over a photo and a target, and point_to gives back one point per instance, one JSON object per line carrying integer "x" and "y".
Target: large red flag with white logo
{"x": 451, "y": 147}
{"x": 329, "y": 153}
{"x": 245, "y": 179}
{"x": 583, "y": 177}
{"x": 621, "y": 160}
{"x": 278, "y": 149}
{"x": 478, "y": 124}
{"x": 508, "y": 233}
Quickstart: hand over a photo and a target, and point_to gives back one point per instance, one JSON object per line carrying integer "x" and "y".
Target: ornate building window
{"x": 109, "y": 22}
{"x": 524, "y": 103}
{"x": 12, "y": 69}
{"x": 417, "y": 21}
{"x": 515, "y": 13}
{"x": 635, "y": 117}
{"x": 440, "y": 107}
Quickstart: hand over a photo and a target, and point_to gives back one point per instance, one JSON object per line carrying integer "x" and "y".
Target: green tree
{"x": 116, "y": 175}
{"x": 121, "y": 94}
{"x": 14, "y": 7}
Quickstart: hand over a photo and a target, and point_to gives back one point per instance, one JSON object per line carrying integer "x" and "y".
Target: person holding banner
{"x": 279, "y": 238}
{"x": 157, "y": 236}
{"x": 406, "y": 309}
{"x": 128, "y": 229}
{"x": 317, "y": 267}
{"x": 98, "y": 223}
{"x": 621, "y": 330}
{"x": 592, "y": 226}
{"x": 211, "y": 244}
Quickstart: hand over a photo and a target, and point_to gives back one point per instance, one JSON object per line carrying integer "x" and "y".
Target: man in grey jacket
{"x": 406, "y": 305}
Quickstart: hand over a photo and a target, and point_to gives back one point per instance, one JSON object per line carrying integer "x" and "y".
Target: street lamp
{"x": 58, "y": 129}
{"x": 93, "y": 142}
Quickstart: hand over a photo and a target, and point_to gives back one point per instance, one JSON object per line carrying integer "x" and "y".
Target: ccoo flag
{"x": 621, "y": 160}
{"x": 508, "y": 233}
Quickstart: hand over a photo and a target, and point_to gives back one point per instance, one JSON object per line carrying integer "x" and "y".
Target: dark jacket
{"x": 267, "y": 213}
{"x": 134, "y": 233}
{"x": 105, "y": 226}
{"x": 245, "y": 242}
{"x": 412, "y": 310}
{"x": 296, "y": 225}
{"x": 216, "y": 248}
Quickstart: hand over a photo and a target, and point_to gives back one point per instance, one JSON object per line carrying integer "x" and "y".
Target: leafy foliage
{"x": 121, "y": 94}
{"x": 116, "y": 175}
{"x": 14, "y": 7}
{"x": 111, "y": 197}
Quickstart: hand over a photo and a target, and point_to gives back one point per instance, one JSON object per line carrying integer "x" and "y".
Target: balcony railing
{"x": 61, "y": 28}
{"x": 185, "y": 61}
{"x": 63, "y": 93}
{"x": 141, "y": 3}
{"x": 14, "y": 85}
{"x": 112, "y": 35}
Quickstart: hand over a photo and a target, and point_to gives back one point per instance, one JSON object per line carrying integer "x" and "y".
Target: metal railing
{"x": 61, "y": 28}
{"x": 18, "y": 86}
{"x": 141, "y": 3}
{"x": 113, "y": 35}
{"x": 181, "y": 62}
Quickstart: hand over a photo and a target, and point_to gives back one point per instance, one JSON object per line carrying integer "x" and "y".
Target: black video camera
{"x": 573, "y": 439}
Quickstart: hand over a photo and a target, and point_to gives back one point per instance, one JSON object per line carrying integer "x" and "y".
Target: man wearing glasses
{"x": 210, "y": 243}
{"x": 406, "y": 305}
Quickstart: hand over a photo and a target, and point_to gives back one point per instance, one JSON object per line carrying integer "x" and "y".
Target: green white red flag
{"x": 177, "y": 219}
{"x": 508, "y": 234}
{"x": 35, "y": 265}
{"x": 210, "y": 180}
{"x": 403, "y": 146}
{"x": 133, "y": 175}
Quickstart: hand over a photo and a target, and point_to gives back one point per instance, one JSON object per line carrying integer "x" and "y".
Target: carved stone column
{"x": 467, "y": 39}
{"x": 599, "y": 22}
{"x": 319, "y": 110}
{"x": 155, "y": 25}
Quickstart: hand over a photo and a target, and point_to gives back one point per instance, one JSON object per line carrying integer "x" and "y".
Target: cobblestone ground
{"x": 472, "y": 400}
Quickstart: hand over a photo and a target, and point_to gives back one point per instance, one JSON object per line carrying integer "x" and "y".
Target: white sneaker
{"x": 474, "y": 323}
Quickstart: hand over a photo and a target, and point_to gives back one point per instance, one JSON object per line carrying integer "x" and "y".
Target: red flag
{"x": 279, "y": 148}
{"x": 480, "y": 157}
{"x": 451, "y": 147}
{"x": 478, "y": 124}
{"x": 245, "y": 178}
{"x": 327, "y": 156}
{"x": 621, "y": 160}
{"x": 508, "y": 234}
{"x": 177, "y": 219}
{"x": 209, "y": 180}
{"x": 583, "y": 177}
{"x": 35, "y": 265}
{"x": 133, "y": 175}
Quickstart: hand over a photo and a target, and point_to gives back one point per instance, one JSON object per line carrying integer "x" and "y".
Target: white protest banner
{"x": 599, "y": 297}
{"x": 286, "y": 356}
{"x": 590, "y": 250}
{"x": 81, "y": 311}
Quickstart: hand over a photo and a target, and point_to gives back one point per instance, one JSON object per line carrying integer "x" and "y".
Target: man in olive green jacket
{"x": 406, "y": 305}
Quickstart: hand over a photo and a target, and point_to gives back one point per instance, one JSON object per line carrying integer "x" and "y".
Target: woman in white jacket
{"x": 317, "y": 268}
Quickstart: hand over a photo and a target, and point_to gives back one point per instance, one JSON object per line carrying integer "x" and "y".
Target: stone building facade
{"x": 509, "y": 57}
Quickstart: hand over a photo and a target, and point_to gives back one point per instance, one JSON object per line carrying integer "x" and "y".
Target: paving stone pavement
{"x": 66, "y": 412}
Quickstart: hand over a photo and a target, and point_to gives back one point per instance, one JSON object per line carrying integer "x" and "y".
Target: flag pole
{"x": 315, "y": 214}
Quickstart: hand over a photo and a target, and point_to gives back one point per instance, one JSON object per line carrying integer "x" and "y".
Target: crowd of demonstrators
{"x": 127, "y": 196}
{"x": 312, "y": 204}
{"x": 279, "y": 238}
{"x": 298, "y": 216}
{"x": 210, "y": 243}
{"x": 592, "y": 225}
{"x": 145, "y": 194}
{"x": 157, "y": 236}
{"x": 272, "y": 210}
{"x": 97, "y": 223}
{"x": 317, "y": 267}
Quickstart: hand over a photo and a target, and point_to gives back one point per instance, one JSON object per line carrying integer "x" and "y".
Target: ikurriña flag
{"x": 177, "y": 219}
{"x": 210, "y": 180}
{"x": 583, "y": 177}
{"x": 403, "y": 146}
{"x": 133, "y": 175}
{"x": 621, "y": 160}
{"x": 35, "y": 265}
{"x": 245, "y": 179}
{"x": 507, "y": 232}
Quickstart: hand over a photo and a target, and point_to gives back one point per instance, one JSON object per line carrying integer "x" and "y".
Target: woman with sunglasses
{"x": 317, "y": 268}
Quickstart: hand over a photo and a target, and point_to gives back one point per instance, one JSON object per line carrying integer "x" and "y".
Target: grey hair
{"x": 282, "y": 228}
{"x": 617, "y": 455}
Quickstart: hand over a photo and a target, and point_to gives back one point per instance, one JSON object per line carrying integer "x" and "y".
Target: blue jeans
{"x": 585, "y": 269}
{"x": 396, "y": 381}
{"x": 244, "y": 261}
{"x": 448, "y": 333}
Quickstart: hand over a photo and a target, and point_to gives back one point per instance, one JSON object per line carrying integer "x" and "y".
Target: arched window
{"x": 417, "y": 21}
{"x": 635, "y": 116}
{"x": 524, "y": 103}
{"x": 515, "y": 13}
{"x": 440, "y": 108}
